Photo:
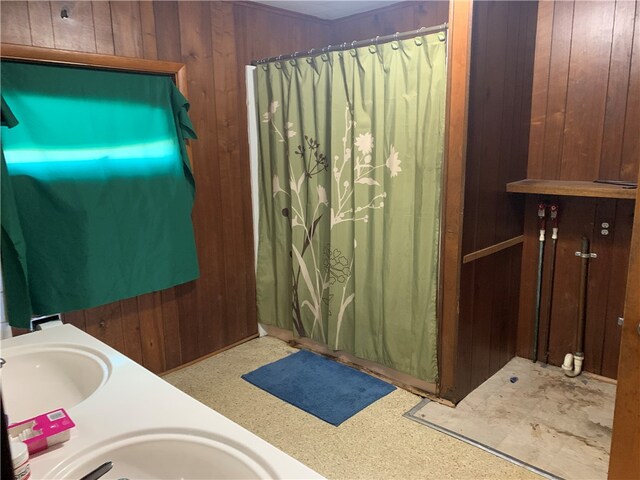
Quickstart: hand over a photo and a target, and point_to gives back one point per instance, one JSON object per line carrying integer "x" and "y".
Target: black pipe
{"x": 582, "y": 305}
{"x": 554, "y": 211}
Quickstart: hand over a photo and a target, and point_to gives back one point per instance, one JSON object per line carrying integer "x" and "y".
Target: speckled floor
{"x": 377, "y": 443}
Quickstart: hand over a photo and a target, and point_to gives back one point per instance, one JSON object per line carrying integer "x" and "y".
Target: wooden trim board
{"x": 9, "y": 51}
{"x": 624, "y": 461}
{"x": 498, "y": 247}
{"x": 204, "y": 357}
{"x": 457, "y": 117}
{"x": 572, "y": 188}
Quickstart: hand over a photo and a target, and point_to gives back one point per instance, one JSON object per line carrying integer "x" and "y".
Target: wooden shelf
{"x": 571, "y": 188}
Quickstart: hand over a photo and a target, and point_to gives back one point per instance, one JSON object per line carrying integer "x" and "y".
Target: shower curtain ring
{"x": 395, "y": 37}
{"x": 377, "y": 37}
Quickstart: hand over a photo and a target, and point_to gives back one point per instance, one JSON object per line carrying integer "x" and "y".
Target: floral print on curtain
{"x": 351, "y": 146}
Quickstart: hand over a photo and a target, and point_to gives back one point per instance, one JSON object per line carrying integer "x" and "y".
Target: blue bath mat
{"x": 327, "y": 389}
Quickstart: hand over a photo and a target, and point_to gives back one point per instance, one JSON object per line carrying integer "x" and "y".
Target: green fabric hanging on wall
{"x": 351, "y": 146}
{"x": 102, "y": 183}
{"x": 14, "y": 255}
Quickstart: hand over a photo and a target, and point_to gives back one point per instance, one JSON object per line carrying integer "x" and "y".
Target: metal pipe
{"x": 355, "y": 44}
{"x": 553, "y": 216}
{"x": 536, "y": 324}
{"x": 582, "y": 305}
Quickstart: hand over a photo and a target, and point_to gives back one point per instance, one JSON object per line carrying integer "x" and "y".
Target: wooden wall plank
{"x": 103, "y": 30}
{"x": 513, "y": 298}
{"x": 196, "y": 48}
{"x": 131, "y": 330}
{"x": 41, "y": 24}
{"x": 489, "y": 195}
{"x": 14, "y": 23}
{"x": 482, "y": 319}
{"x": 631, "y": 142}
{"x": 599, "y": 277}
{"x": 617, "y": 287}
{"x": 152, "y": 332}
{"x": 167, "y": 25}
{"x": 617, "y": 88}
{"x": 105, "y": 323}
{"x": 500, "y": 311}
{"x": 590, "y": 56}
{"x": 511, "y": 165}
{"x": 233, "y": 172}
{"x": 478, "y": 91}
{"x": 557, "y": 97}
{"x": 127, "y": 29}
{"x": 171, "y": 321}
{"x": 462, "y": 383}
{"x": 148, "y": 24}
{"x": 75, "y": 318}
{"x": 528, "y": 279}
{"x": 75, "y": 32}
{"x": 484, "y": 74}
{"x": 544, "y": 36}
{"x": 242, "y": 58}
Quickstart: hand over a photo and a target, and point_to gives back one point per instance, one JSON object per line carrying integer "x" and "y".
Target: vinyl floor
{"x": 377, "y": 443}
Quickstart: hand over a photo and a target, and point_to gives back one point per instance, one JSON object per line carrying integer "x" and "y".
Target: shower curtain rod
{"x": 355, "y": 44}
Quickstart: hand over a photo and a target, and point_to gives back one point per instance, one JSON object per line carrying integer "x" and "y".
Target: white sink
{"x": 37, "y": 379}
{"x": 126, "y": 415}
{"x": 177, "y": 454}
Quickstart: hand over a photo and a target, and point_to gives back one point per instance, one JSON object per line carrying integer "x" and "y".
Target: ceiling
{"x": 330, "y": 10}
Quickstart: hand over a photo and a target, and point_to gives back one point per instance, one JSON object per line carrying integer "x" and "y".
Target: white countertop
{"x": 134, "y": 400}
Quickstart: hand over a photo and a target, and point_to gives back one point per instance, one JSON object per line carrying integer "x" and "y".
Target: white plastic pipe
{"x": 572, "y": 364}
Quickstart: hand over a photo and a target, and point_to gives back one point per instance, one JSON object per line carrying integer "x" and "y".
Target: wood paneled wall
{"x": 386, "y": 21}
{"x": 497, "y": 141}
{"x": 163, "y": 330}
{"x": 586, "y": 93}
{"x": 584, "y": 126}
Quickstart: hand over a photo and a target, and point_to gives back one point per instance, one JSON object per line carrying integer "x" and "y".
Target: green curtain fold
{"x": 13, "y": 247}
{"x": 102, "y": 184}
{"x": 351, "y": 146}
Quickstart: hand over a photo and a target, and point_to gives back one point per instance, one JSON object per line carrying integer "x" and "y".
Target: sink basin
{"x": 38, "y": 379}
{"x": 167, "y": 455}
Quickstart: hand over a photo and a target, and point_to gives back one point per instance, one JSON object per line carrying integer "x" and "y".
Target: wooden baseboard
{"x": 188, "y": 364}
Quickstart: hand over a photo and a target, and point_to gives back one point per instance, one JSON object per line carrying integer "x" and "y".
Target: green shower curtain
{"x": 351, "y": 149}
